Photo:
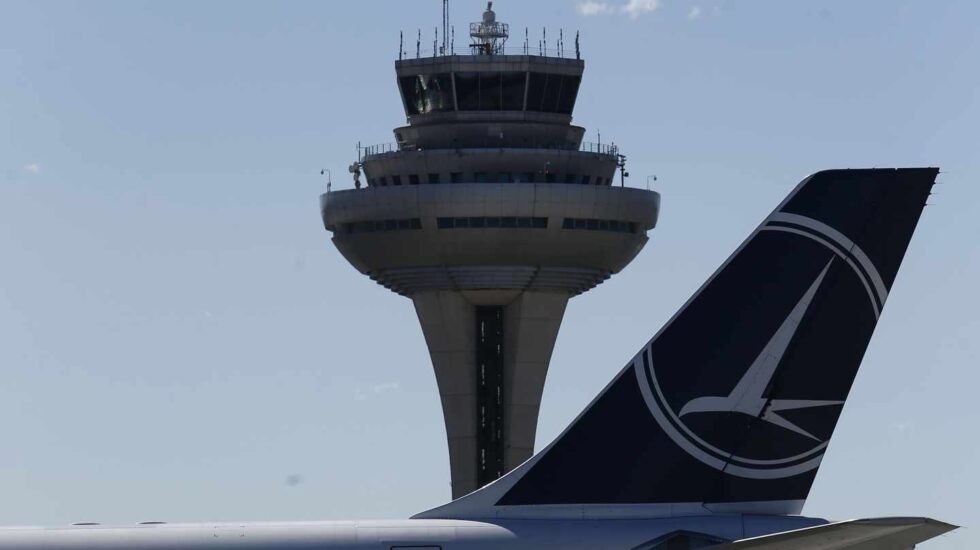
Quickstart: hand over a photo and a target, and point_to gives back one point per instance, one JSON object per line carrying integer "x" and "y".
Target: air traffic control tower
{"x": 489, "y": 213}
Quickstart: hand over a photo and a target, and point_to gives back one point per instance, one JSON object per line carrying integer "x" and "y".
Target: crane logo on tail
{"x": 756, "y": 402}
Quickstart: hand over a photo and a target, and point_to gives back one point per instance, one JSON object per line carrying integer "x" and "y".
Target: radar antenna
{"x": 488, "y": 35}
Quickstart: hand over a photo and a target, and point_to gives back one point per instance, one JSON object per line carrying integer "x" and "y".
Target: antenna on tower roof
{"x": 445, "y": 26}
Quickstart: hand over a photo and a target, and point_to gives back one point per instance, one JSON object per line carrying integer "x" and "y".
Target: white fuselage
{"x": 388, "y": 535}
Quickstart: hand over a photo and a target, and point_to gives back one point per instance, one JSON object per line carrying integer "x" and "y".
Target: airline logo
{"x": 754, "y": 394}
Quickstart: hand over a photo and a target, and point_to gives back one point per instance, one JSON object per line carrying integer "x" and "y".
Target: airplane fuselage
{"x": 393, "y": 535}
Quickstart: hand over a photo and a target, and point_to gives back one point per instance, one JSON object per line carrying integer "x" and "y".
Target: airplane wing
{"x": 861, "y": 534}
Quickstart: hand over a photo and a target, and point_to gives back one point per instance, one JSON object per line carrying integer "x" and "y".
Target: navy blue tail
{"x": 736, "y": 398}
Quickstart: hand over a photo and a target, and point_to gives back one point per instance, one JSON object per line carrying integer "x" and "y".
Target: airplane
{"x": 710, "y": 436}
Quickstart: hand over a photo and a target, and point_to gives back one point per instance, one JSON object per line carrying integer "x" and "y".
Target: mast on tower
{"x": 489, "y": 36}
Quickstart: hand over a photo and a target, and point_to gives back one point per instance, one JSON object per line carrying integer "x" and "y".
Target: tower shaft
{"x": 490, "y": 353}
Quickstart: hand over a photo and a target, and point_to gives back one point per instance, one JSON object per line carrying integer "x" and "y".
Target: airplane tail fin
{"x": 730, "y": 407}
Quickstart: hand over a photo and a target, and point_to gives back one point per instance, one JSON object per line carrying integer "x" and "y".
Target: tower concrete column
{"x": 529, "y": 324}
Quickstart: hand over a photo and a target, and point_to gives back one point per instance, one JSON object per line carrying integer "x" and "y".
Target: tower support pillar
{"x": 490, "y": 351}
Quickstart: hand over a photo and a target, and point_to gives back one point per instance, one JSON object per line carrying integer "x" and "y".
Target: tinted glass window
{"x": 551, "y": 93}
{"x": 569, "y": 91}
{"x": 552, "y": 90}
{"x": 413, "y": 179}
{"x": 490, "y": 91}
{"x": 433, "y": 178}
{"x": 535, "y": 91}
{"x": 601, "y": 225}
{"x": 468, "y": 91}
{"x": 410, "y": 93}
{"x": 492, "y": 222}
{"x": 427, "y": 93}
{"x": 512, "y": 91}
{"x": 456, "y": 177}
{"x": 396, "y": 180}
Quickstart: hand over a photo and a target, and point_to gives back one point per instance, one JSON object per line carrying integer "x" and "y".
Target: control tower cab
{"x": 489, "y": 213}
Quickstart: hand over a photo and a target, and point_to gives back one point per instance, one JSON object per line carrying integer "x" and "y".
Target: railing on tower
{"x": 585, "y": 147}
{"x": 489, "y": 37}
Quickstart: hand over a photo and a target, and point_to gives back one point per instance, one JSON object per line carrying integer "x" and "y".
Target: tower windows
{"x": 552, "y": 93}
{"x": 480, "y": 222}
{"x": 613, "y": 226}
{"x": 491, "y": 177}
{"x": 468, "y": 91}
{"x": 381, "y": 225}
{"x": 490, "y": 91}
{"x": 512, "y": 87}
{"x": 427, "y": 93}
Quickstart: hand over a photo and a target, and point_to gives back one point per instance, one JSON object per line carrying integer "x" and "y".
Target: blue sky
{"x": 181, "y": 341}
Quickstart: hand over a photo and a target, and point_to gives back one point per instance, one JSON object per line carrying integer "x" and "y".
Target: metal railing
{"x": 381, "y": 148}
{"x": 539, "y": 50}
{"x": 586, "y": 147}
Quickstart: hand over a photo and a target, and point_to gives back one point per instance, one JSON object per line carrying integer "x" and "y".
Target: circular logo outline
{"x": 729, "y": 462}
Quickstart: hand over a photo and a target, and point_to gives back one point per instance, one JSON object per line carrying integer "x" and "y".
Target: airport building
{"x": 489, "y": 212}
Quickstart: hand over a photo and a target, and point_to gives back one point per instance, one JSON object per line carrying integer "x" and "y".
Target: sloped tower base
{"x": 490, "y": 397}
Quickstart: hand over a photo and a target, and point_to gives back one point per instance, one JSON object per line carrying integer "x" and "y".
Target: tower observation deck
{"x": 489, "y": 213}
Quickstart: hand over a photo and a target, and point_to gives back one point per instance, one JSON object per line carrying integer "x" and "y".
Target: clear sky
{"x": 180, "y": 341}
